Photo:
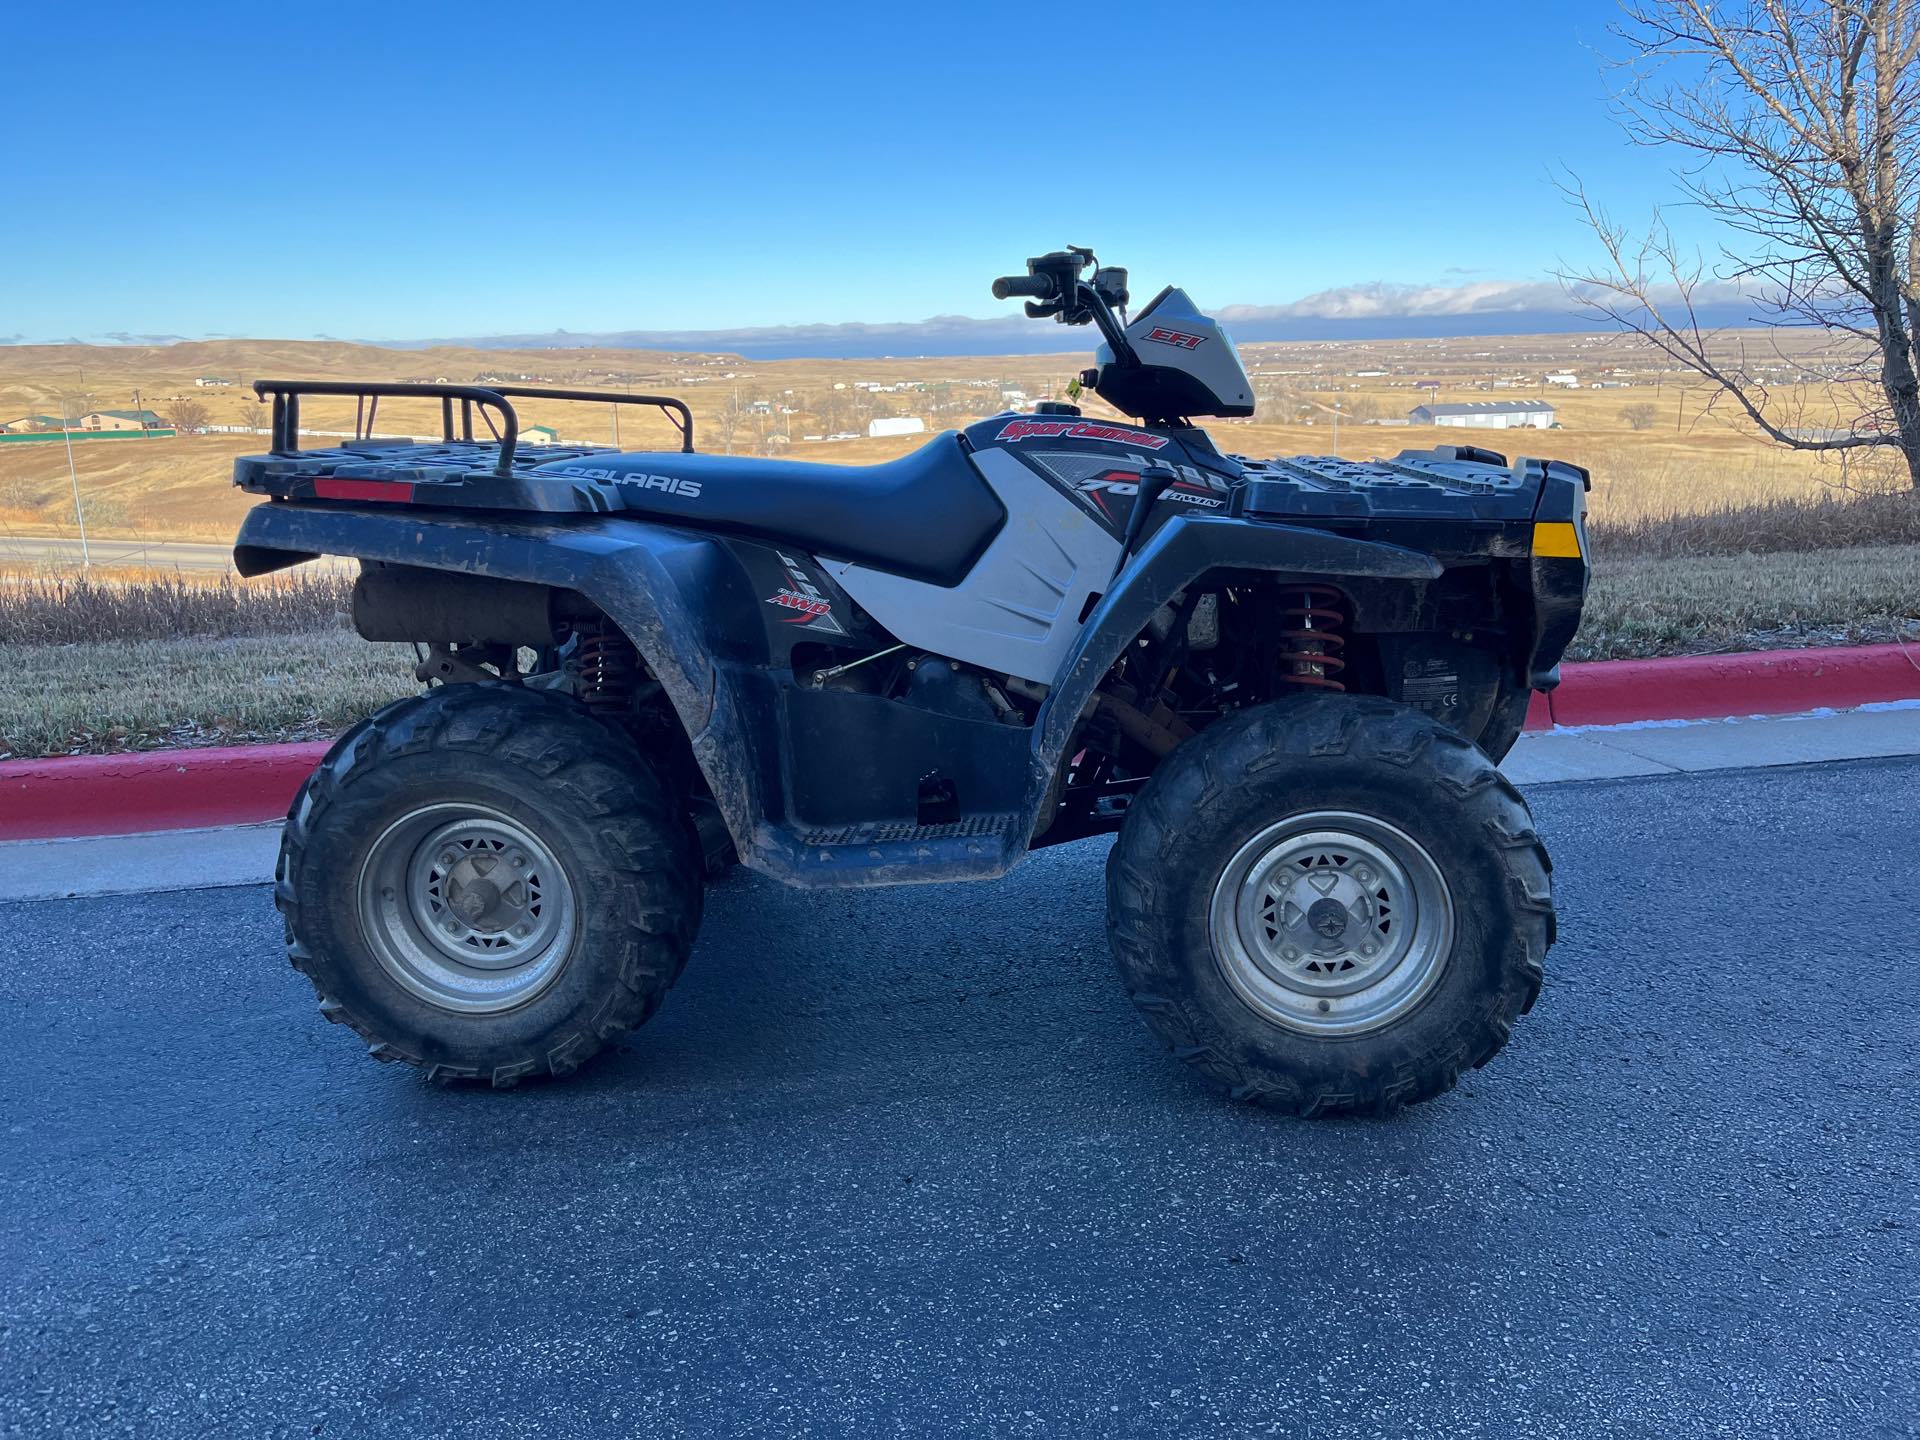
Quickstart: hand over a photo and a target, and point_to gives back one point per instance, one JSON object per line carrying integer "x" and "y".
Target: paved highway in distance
{"x": 58, "y": 552}
{"x": 40, "y": 553}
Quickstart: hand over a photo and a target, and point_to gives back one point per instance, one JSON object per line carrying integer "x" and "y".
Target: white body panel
{"x": 1018, "y": 610}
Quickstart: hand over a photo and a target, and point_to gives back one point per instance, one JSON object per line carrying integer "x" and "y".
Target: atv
{"x": 1282, "y": 684}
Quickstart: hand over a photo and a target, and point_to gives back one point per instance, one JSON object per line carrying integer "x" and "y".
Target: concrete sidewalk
{"x": 138, "y": 864}
{"x": 245, "y": 854}
{"x": 1667, "y": 747}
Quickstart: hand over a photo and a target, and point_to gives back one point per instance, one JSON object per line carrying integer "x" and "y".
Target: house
{"x": 120, "y": 420}
{"x": 32, "y": 425}
{"x": 1486, "y": 415}
{"x": 895, "y": 425}
{"x": 1565, "y": 379}
{"x": 539, "y": 435}
{"x": 211, "y": 381}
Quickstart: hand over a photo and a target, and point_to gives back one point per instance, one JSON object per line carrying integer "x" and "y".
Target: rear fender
{"x": 649, "y": 580}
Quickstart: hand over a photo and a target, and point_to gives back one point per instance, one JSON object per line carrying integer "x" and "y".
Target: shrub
{"x": 69, "y": 610}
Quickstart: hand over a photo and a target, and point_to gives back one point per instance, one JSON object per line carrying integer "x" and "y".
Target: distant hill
{"x": 1375, "y": 311}
{"x": 1359, "y": 312}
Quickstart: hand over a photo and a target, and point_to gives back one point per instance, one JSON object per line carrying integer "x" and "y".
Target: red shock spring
{"x": 1311, "y": 640}
{"x": 606, "y": 669}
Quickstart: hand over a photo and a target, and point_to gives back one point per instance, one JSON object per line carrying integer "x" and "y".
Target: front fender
{"x": 1180, "y": 552}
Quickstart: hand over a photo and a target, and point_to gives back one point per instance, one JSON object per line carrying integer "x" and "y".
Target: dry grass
{"x": 1705, "y": 537}
{"x": 1826, "y": 521}
{"x": 1694, "y": 459}
{"x": 68, "y": 610}
{"x": 1647, "y": 606}
{"x": 271, "y": 662}
{"x": 143, "y": 694}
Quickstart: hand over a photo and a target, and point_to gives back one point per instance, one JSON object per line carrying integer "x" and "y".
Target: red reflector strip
{"x": 328, "y": 488}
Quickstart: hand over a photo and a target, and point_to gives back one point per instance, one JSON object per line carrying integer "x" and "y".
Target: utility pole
{"x": 79, "y": 519}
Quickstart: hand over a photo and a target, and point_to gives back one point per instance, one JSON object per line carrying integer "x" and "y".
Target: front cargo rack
{"x": 457, "y": 402}
{"x": 1450, "y": 481}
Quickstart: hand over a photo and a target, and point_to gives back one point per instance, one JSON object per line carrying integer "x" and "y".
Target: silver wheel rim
{"x": 1332, "y": 923}
{"x": 467, "y": 908}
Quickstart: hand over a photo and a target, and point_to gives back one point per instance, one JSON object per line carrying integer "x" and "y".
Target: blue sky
{"x": 412, "y": 170}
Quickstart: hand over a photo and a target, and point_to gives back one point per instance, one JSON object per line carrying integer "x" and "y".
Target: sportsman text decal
{"x": 1079, "y": 430}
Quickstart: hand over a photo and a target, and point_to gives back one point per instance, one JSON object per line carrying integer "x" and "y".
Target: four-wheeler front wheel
{"x": 488, "y": 883}
{"x": 1330, "y": 905}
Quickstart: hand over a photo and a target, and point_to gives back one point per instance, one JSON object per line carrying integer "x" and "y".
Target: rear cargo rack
{"x": 490, "y": 400}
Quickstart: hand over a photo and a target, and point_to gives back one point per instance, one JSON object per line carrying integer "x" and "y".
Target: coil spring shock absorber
{"x": 1311, "y": 639}
{"x": 606, "y": 669}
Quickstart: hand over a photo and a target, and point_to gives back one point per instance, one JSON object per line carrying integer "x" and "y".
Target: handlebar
{"x": 1053, "y": 281}
{"x": 1040, "y": 287}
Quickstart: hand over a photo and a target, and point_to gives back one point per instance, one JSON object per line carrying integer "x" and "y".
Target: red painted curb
{"x": 150, "y": 790}
{"x": 188, "y": 789}
{"x": 1710, "y": 687}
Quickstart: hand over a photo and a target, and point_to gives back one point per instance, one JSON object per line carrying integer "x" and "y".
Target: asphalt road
{"x": 36, "y": 551}
{"x": 906, "y": 1163}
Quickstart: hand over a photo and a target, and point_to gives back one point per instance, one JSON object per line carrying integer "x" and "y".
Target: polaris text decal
{"x": 1175, "y": 337}
{"x": 1079, "y": 430}
{"x": 672, "y": 484}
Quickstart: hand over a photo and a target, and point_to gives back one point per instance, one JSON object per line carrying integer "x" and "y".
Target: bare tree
{"x": 1800, "y": 123}
{"x": 188, "y": 416}
{"x": 833, "y": 412}
{"x": 1640, "y": 417}
{"x": 728, "y": 421}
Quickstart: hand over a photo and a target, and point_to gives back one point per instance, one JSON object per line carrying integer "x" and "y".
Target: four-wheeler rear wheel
{"x": 1330, "y": 905}
{"x": 488, "y": 883}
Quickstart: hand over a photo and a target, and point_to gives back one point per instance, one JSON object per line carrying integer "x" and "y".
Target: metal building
{"x": 1486, "y": 415}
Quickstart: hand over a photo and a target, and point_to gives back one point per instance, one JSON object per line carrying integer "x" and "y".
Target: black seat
{"x": 927, "y": 515}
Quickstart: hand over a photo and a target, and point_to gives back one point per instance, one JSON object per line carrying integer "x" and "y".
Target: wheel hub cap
{"x": 1332, "y": 923}
{"x": 466, "y": 908}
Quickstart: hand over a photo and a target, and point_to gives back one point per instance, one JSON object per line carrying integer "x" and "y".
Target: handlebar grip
{"x": 1038, "y": 286}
